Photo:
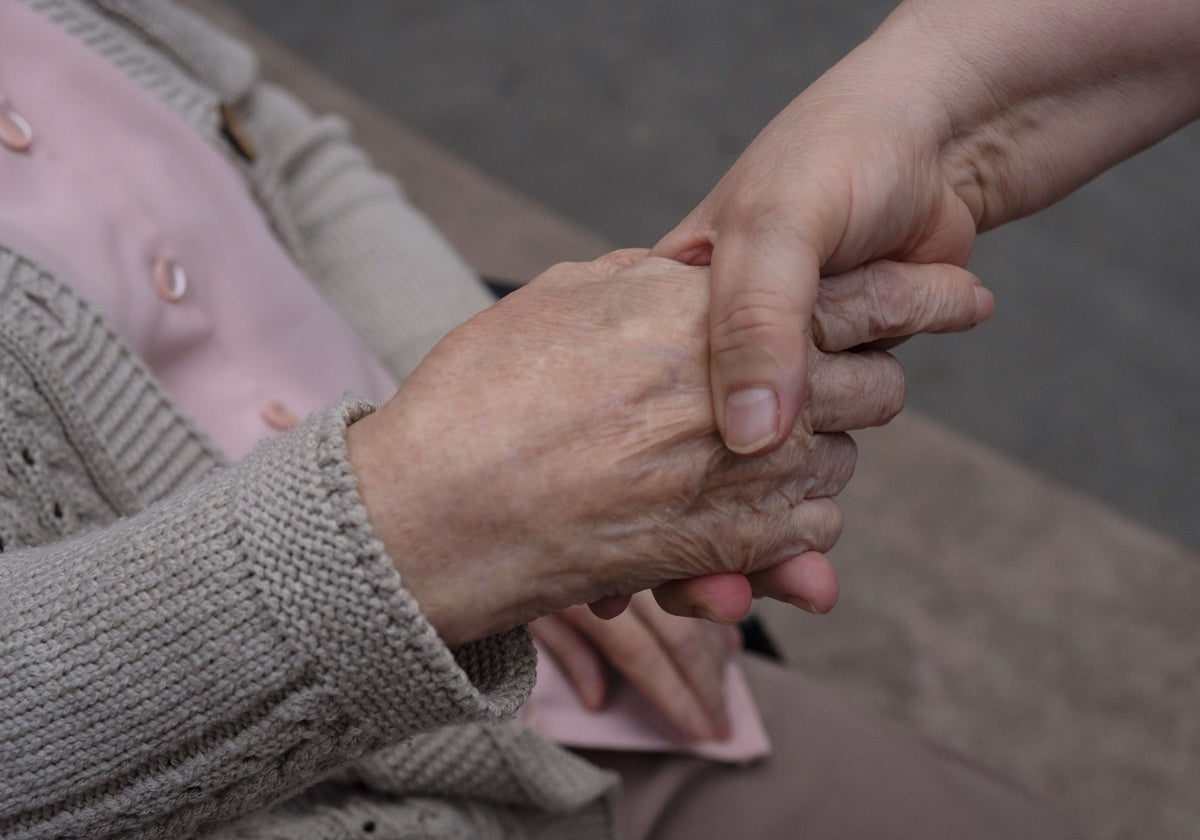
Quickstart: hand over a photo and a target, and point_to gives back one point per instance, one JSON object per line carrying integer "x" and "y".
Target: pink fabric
{"x": 628, "y": 722}
{"x": 115, "y": 188}
{"x": 127, "y": 184}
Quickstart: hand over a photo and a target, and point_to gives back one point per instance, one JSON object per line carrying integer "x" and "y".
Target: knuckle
{"x": 563, "y": 274}
{"x": 754, "y": 213}
{"x": 766, "y": 220}
{"x": 623, "y": 258}
{"x": 815, "y": 525}
{"x": 953, "y": 305}
{"x": 837, "y": 522}
{"x": 891, "y": 302}
{"x": 846, "y": 385}
{"x": 889, "y": 385}
{"x": 844, "y": 457}
{"x": 831, "y": 465}
{"x": 822, "y": 326}
{"x": 753, "y": 317}
{"x": 826, "y": 530}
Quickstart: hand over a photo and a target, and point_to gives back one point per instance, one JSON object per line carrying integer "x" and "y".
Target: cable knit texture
{"x": 185, "y": 642}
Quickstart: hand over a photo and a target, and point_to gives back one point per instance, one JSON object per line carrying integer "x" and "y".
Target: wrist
{"x": 381, "y": 474}
{"x": 464, "y": 592}
{"x": 1030, "y": 100}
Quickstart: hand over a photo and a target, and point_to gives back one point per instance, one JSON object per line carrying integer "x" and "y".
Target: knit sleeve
{"x": 227, "y": 646}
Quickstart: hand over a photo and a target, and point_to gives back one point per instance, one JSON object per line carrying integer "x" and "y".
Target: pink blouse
{"x": 160, "y": 233}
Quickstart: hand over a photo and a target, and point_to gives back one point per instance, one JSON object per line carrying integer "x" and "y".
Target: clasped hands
{"x": 560, "y": 449}
{"x": 563, "y": 447}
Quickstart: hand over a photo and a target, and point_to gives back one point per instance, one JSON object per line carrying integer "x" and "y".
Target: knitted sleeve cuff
{"x": 339, "y": 601}
{"x": 185, "y": 665}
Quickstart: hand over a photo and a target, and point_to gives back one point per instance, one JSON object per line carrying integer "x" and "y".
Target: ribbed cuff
{"x": 338, "y": 598}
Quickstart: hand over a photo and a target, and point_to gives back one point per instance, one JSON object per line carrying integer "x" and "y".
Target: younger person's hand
{"x": 954, "y": 117}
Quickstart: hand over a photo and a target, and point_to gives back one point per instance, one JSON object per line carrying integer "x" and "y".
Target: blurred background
{"x": 1020, "y": 566}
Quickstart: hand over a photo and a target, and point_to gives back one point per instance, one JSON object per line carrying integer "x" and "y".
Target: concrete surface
{"x": 994, "y": 608}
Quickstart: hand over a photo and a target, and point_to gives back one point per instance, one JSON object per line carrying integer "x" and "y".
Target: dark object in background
{"x": 500, "y": 287}
{"x": 755, "y": 638}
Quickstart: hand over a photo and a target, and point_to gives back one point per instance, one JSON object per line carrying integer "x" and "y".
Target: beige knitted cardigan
{"x": 189, "y": 647}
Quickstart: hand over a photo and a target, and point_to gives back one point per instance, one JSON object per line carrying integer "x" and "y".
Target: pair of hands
{"x": 677, "y": 663}
{"x": 955, "y": 117}
{"x": 561, "y": 449}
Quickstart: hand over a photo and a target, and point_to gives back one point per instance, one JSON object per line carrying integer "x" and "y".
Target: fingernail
{"x": 751, "y": 418}
{"x": 708, "y": 615}
{"x": 804, "y": 604}
{"x": 985, "y": 302}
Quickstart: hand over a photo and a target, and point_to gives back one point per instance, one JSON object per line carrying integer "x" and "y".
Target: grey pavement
{"x": 997, "y": 609}
{"x": 621, "y": 115}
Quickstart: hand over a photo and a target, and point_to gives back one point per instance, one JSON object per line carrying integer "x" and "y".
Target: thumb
{"x": 763, "y": 293}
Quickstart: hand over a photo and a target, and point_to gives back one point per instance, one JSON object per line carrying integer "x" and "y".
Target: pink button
{"x": 170, "y": 280}
{"x": 277, "y": 415}
{"x": 15, "y": 131}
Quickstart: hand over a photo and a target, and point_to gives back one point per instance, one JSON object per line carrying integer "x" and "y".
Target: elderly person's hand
{"x": 678, "y": 664}
{"x": 560, "y": 447}
{"x": 956, "y": 116}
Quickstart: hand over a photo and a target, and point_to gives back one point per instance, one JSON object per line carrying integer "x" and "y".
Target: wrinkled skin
{"x": 560, "y": 448}
{"x": 678, "y": 663}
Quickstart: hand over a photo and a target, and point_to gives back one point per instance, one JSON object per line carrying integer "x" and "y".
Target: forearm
{"x": 190, "y": 663}
{"x": 1028, "y": 100}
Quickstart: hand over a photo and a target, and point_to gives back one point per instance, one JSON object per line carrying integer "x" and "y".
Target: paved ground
{"x": 621, "y": 115}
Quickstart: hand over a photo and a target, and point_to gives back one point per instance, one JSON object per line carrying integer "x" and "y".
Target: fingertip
{"x": 594, "y": 693}
{"x": 723, "y": 729}
{"x": 808, "y": 581}
{"x": 720, "y": 598}
{"x": 609, "y": 607}
{"x": 985, "y": 304}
